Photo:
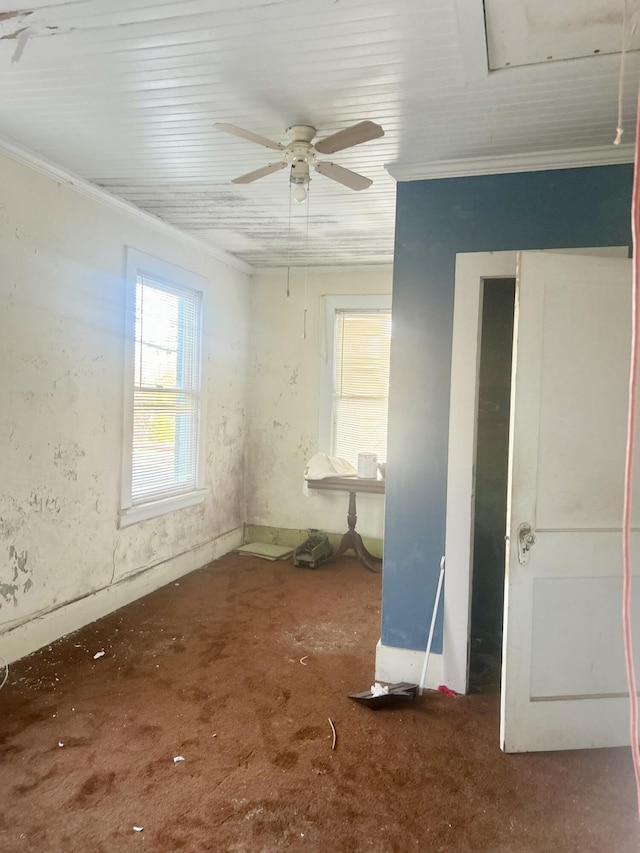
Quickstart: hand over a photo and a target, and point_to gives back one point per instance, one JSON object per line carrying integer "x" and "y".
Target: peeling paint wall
{"x": 61, "y": 385}
{"x": 284, "y": 393}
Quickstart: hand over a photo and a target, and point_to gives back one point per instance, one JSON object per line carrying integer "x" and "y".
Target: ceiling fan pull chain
{"x": 289, "y": 248}
{"x": 306, "y": 267}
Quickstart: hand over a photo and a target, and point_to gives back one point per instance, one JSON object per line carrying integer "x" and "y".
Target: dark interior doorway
{"x": 490, "y": 506}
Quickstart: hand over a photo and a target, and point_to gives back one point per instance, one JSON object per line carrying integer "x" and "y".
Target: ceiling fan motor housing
{"x": 299, "y": 172}
{"x": 301, "y": 132}
{"x": 300, "y": 153}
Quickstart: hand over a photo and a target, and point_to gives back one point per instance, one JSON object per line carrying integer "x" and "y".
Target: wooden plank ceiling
{"x": 125, "y": 93}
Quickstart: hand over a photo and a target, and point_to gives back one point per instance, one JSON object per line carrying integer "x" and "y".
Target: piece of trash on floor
{"x": 447, "y": 691}
{"x": 177, "y": 758}
{"x": 378, "y": 689}
{"x": 303, "y": 660}
{"x": 335, "y": 734}
{"x": 98, "y": 655}
{"x": 138, "y": 828}
{"x": 60, "y": 743}
{"x": 265, "y": 550}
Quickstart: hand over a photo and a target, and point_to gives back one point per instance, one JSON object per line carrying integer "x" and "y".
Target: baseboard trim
{"x": 46, "y": 628}
{"x": 395, "y": 664}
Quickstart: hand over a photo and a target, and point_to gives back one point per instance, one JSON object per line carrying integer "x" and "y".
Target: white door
{"x": 563, "y": 677}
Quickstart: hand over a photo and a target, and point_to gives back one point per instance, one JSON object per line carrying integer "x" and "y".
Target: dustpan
{"x": 402, "y": 692}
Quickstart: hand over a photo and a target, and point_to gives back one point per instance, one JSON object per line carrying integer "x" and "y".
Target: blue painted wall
{"x": 435, "y": 220}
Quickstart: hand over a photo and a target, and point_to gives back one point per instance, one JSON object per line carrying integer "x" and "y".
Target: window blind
{"x": 361, "y": 384}
{"x": 166, "y": 395}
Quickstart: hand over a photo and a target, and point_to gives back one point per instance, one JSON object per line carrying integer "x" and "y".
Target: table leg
{"x": 352, "y": 540}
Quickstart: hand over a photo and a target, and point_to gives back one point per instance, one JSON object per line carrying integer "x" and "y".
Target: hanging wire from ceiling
{"x": 628, "y": 31}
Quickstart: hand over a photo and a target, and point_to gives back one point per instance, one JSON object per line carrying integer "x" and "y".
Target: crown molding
{"x": 89, "y": 190}
{"x": 568, "y": 158}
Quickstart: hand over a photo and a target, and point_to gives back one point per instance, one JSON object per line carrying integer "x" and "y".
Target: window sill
{"x": 153, "y": 509}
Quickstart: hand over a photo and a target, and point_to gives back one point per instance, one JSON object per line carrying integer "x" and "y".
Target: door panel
{"x": 563, "y": 666}
{"x": 581, "y": 616}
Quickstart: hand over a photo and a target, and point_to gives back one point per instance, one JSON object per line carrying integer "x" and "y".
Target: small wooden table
{"x": 352, "y": 538}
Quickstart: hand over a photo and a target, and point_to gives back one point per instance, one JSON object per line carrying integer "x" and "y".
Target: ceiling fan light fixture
{"x": 299, "y": 191}
{"x": 299, "y": 177}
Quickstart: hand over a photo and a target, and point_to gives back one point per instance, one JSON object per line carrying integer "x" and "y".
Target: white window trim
{"x": 342, "y": 302}
{"x": 140, "y": 262}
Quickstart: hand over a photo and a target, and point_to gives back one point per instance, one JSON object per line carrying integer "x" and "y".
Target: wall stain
{"x": 13, "y": 517}
{"x": 52, "y": 505}
{"x": 8, "y": 591}
{"x": 66, "y": 458}
{"x": 19, "y": 561}
{"x": 18, "y": 565}
{"x": 38, "y": 503}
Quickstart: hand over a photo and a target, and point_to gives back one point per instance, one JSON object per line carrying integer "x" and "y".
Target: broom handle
{"x": 431, "y": 628}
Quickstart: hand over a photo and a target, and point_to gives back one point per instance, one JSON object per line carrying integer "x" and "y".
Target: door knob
{"x": 526, "y": 539}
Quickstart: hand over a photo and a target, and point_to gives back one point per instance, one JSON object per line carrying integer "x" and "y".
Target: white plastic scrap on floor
{"x": 138, "y": 828}
{"x": 177, "y": 758}
{"x": 378, "y": 689}
{"x": 98, "y": 655}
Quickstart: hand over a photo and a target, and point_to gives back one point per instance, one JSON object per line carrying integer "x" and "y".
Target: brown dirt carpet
{"x": 237, "y": 669}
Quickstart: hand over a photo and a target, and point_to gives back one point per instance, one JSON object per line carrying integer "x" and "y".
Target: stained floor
{"x": 237, "y": 669}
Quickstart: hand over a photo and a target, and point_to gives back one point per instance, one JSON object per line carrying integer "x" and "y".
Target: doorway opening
{"x": 490, "y": 502}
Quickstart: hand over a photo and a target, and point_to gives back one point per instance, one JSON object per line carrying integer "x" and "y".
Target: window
{"x": 355, "y": 376}
{"x": 163, "y": 411}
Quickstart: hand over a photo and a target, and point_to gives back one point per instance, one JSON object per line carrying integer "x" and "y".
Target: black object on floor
{"x": 402, "y": 692}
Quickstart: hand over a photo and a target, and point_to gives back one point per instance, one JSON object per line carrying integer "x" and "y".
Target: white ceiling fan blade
{"x": 350, "y": 136}
{"x": 343, "y": 176}
{"x": 248, "y": 134}
{"x": 259, "y": 173}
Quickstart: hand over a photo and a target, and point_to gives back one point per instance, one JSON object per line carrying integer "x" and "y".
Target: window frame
{"x": 140, "y": 263}
{"x": 332, "y": 304}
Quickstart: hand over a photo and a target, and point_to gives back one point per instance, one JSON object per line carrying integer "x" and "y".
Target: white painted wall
{"x": 284, "y": 392}
{"x": 61, "y": 378}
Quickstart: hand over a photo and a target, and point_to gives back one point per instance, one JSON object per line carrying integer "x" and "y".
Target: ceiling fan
{"x": 301, "y": 154}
